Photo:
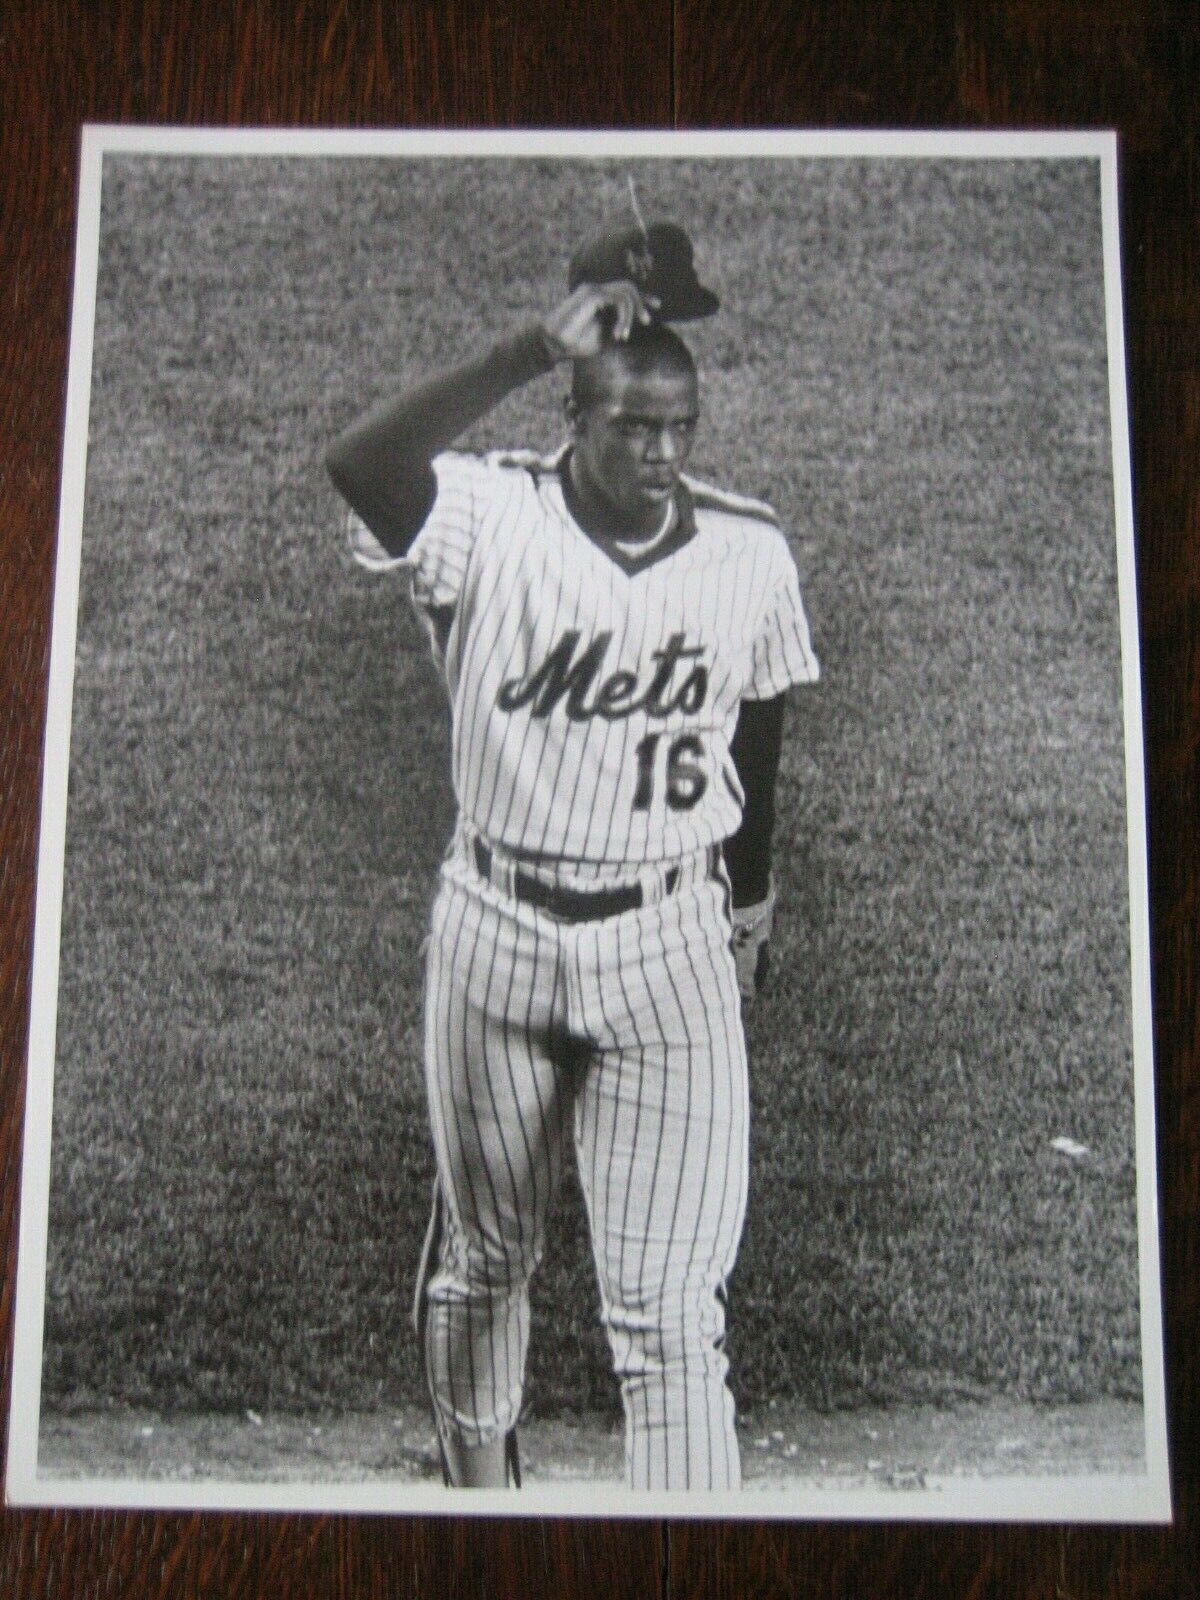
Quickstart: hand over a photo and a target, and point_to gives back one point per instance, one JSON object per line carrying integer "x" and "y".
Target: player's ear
{"x": 571, "y": 411}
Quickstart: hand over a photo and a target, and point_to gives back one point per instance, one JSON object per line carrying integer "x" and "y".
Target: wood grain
{"x": 704, "y": 63}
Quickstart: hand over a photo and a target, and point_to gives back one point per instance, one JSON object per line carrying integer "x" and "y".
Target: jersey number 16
{"x": 685, "y": 776}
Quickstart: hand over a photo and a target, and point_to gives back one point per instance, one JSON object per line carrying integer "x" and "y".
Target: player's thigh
{"x": 496, "y": 1101}
{"x": 661, "y": 1122}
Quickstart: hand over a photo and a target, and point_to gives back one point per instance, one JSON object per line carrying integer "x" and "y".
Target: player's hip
{"x": 601, "y": 964}
{"x": 577, "y": 895}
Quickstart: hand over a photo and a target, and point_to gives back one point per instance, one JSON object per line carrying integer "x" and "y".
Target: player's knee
{"x": 482, "y": 1273}
{"x": 501, "y": 1264}
{"x": 662, "y": 1334}
{"x": 479, "y": 1260}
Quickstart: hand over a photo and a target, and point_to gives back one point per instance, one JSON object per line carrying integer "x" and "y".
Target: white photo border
{"x": 1143, "y": 1497}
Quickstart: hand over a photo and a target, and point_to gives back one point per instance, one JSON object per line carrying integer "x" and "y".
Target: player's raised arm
{"x": 382, "y": 464}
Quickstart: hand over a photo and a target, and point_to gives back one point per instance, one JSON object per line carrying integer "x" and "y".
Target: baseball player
{"x": 616, "y": 639}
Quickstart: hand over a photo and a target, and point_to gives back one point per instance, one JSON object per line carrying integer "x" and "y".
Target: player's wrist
{"x": 529, "y": 352}
{"x": 752, "y": 915}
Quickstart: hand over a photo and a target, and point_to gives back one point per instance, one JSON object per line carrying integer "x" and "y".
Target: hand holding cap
{"x": 658, "y": 259}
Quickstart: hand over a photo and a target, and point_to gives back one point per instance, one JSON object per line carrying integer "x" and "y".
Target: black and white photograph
{"x": 591, "y": 950}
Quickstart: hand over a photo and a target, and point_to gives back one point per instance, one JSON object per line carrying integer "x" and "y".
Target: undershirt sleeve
{"x": 755, "y": 749}
{"x": 437, "y": 558}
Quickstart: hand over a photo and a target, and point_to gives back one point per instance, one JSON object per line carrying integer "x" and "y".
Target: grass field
{"x": 910, "y": 366}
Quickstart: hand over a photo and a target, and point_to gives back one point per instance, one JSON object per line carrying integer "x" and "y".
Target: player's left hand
{"x": 751, "y": 943}
{"x": 593, "y": 315}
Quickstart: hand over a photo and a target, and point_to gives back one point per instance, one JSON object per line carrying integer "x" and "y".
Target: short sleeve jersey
{"x": 593, "y": 696}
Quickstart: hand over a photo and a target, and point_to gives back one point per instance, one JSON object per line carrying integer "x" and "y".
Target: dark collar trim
{"x": 682, "y": 533}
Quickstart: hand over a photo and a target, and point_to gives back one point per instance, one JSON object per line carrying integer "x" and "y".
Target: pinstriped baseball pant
{"x": 626, "y": 1035}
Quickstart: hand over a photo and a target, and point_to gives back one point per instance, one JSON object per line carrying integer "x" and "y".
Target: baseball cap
{"x": 658, "y": 259}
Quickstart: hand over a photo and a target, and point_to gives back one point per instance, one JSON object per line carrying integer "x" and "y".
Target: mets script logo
{"x": 679, "y": 682}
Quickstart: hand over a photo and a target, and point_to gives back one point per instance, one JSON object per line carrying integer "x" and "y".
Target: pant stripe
{"x": 641, "y": 1102}
{"x": 470, "y": 1163}
{"x": 490, "y": 1082}
{"x": 620, "y": 1340}
{"x": 690, "y": 1288}
{"x": 675, "y": 1211}
{"x": 647, "y": 1431}
{"x": 438, "y": 1087}
{"x": 651, "y": 1211}
{"x": 495, "y": 1083}
{"x": 736, "y": 1139}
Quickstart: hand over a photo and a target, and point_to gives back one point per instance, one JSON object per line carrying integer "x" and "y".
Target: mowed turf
{"x": 910, "y": 365}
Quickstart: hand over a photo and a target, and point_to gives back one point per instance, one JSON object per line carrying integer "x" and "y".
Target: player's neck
{"x": 601, "y": 519}
{"x": 644, "y": 544}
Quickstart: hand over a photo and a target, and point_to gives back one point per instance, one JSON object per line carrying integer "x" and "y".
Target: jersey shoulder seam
{"x": 708, "y": 497}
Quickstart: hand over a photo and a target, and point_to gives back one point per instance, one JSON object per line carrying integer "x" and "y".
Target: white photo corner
{"x": 594, "y": 676}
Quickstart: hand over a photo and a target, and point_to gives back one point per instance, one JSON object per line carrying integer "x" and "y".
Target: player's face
{"x": 633, "y": 439}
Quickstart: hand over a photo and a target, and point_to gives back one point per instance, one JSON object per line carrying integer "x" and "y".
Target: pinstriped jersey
{"x": 593, "y": 695}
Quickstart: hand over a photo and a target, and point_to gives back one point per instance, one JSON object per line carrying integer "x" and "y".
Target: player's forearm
{"x": 381, "y": 465}
{"x": 755, "y": 749}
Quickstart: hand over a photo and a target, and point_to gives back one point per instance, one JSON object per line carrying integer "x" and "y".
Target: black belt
{"x": 574, "y": 905}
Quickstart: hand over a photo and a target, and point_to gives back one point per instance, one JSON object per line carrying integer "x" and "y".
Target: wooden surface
{"x": 692, "y": 63}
